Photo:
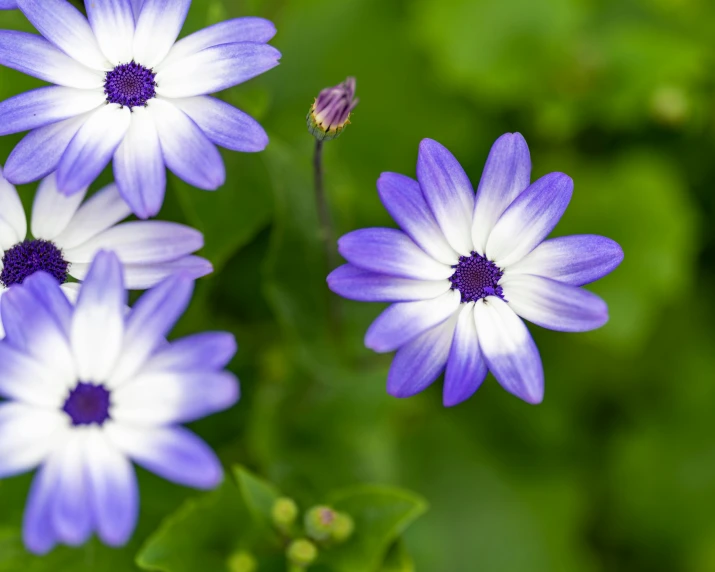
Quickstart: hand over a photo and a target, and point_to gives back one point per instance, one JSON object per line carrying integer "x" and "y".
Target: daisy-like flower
{"x": 92, "y": 387}
{"x": 465, "y": 269}
{"x": 67, "y": 233}
{"x": 125, "y": 90}
{"x": 8, "y": 4}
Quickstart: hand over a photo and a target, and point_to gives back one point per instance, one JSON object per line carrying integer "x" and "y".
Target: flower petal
{"x": 448, "y": 192}
{"x": 554, "y": 305}
{"x": 215, "y": 69}
{"x": 92, "y": 148}
{"x": 28, "y": 434}
{"x": 150, "y": 320}
{"x": 44, "y": 288}
{"x": 390, "y": 251}
{"x": 40, "y": 151}
{"x": 24, "y": 379}
{"x": 574, "y": 260}
{"x": 33, "y": 55}
{"x": 403, "y": 199}
{"x": 165, "y": 398}
{"x": 13, "y": 224}
{"x": 145, "y": 276}
{"x": 198, "y": 352}
{"x": 38, "y": 532}
{"x": 506, "y": 174}
{"x": 509, "y": 350}
{"x": 8, "y": 4}
{"x": 139, "y": 166}
{"x": 187, "y": 151}
{"x": 101, "y": 211}
{"x": 529, "y": 219}
{"x": 233, "y": 31}
{"x": 141, "y": 242}
{"x": 66, "y": 27}
{"x": 46, "y": 105}
{"x": 418, "y": 363}
{"x": 174, "y": 453}
{"x": 404, "y": 321}
{"x": 113, "y": 24}
{"x": 52, "y": 211}
{"x": 98, "y": 321}
{"x": 466, "y": 367}
{"x": 158, "y": 26}
{"x": 223, "y": 124}
{"x": 113, "y": 490}
{"x": 355, "y": 283}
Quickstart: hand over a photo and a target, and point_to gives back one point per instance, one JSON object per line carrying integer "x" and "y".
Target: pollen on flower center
{"x": 476, "y": 277}
{"x": 130, "y": 85}
{"x": 87, "y": 404}
{"x": 30, "y": 256}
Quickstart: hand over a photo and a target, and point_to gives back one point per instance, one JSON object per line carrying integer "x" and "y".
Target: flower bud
{"x": 302, "y": 552}
{"x": 331, "y": 110}
{"x": 343, "y": 527}
{"x": 319, "y": 522}
{"x": 284, "y": 513}
{"x": 242, "y": 562}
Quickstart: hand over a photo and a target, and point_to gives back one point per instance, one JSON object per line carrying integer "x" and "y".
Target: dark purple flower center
{"x": 130, "y": 85}
{"x": 30, "y": 256}
{"x": 476, "y": 277}
{"x": 87, "y": 404}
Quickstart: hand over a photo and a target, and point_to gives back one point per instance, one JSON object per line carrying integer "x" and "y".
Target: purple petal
{"x": 390, "y": 251}
{"x": 448, "y": 192}
{"x": 405, "y": 202}
{"x": 574, "y": 260}
{"x": 46, "y": 105}
{"x": 529, "y": 219}
{"x": 554, "y": 305}
{"x": 113, "y": 491}
{"x": 421, "y": 361}
{"x": 38, "y": 532}
{"x": 466, "y": 367}
{"x": 40, "y": 151}
{"x": 509, "y": 350}
{"x": 92, "y": 148}
{"x": 33, "y": 55}
{"x": 51, "y": 210}
{"x": 506, "y": 174}
{"x": 8, "y": 4}
{"x": 199, "y": 352}
{"x": 158, "y": 26}
{"x": 233, "y": 31}
{"x": 47, "y": 293}
{"x": 215, "y": 69}
{"x": 223, "y": 124}
{"x": 404, "y": 321}
{"x": 187, "y": 151}
{"x": 113, "y": 24}
{"x": 173, "y": 453}
{"x": 66, "y": 27}
{"x": 357, "y": 284}
{"x": 139, "y": 166}
{"x": 71, "y": 513}
{"x": 23, "y": 378}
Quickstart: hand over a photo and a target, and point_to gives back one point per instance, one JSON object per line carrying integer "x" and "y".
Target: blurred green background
{"x": 615, "y": 471}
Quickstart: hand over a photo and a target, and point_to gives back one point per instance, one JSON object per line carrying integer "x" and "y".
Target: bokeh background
{"x": 615, "y": 471}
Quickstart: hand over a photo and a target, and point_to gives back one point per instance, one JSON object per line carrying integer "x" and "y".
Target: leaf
{"x": 381, "y": 515}
{"x": 398, "y": 559}
{"x": 257, "y": 494}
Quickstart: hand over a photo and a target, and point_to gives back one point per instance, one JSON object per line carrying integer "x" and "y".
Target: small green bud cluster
{"x": 322, "y": 528}
{"x": 242, "y": 561}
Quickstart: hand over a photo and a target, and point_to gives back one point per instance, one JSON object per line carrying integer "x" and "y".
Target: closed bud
{"x": 302, "y": 553}
{"x": 331, "y": 111}
{"x": 319, "y": 522}
{"x": 242, "y": 562}
{"x": 343, "y": 527}
{"x": 284, "y": 512}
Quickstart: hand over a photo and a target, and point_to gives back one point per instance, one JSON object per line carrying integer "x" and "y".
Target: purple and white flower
{"x": 466, "y": 268}
{"x": 126, "y": 90}
{"x": 91, "y": 388}
{"x": 67, "y": 232}
{"x": 8, "y": 4}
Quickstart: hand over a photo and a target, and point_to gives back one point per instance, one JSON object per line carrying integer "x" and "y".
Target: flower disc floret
{"x": 30, "y": 256}
{"x": 475, "y": 278}
{"x": 130, "y": 85}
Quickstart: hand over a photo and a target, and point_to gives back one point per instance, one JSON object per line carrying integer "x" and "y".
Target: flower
{"x": 67, "y": 233}
{"x": 465, "y": 268}
{"x": 92, "y": 387}
{"x": 125, "y": 90}
{"x": 8, "y": 4}
{"x": 330, "y": 112}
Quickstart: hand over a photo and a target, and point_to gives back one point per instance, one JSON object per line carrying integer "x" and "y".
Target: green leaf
{"x": 381, "y": 515}
{"x": 398, "y": 559}
{"x": 257, "y": 494}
